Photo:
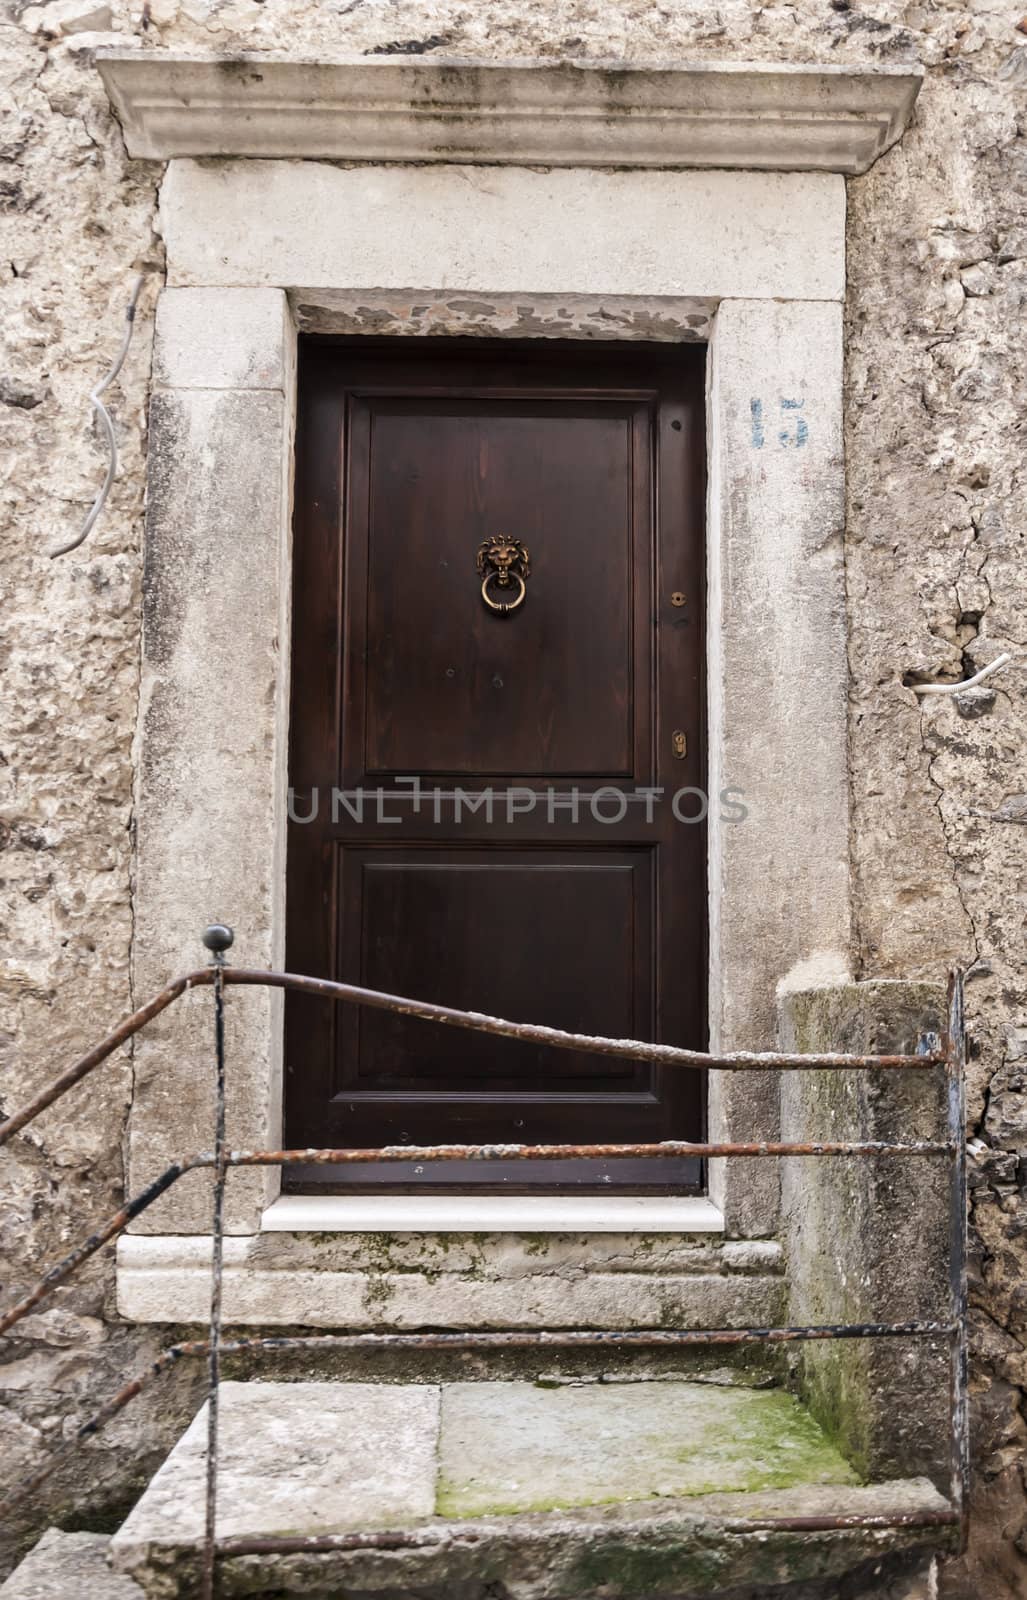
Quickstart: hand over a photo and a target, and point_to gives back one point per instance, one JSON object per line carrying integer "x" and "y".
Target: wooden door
{"x": 489, "y": 844}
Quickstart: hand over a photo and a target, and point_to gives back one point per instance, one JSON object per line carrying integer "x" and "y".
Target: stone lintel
{"x": 511, "y": 231}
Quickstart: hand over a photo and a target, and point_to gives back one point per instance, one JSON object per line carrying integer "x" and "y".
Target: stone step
{"x": 66, "y": 1565}
{"x": 535, "y": 1491}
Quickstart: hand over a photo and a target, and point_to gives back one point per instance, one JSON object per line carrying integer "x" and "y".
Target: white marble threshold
{"x": 495, "y": 1213}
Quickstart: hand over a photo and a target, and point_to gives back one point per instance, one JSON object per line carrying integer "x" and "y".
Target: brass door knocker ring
{"x": 504, "y": 607}
{"x": 503, "y": 565}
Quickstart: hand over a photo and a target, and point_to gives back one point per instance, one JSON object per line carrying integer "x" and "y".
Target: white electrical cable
{"x": 967, "y": 683}
{"x": 108, "y": 427}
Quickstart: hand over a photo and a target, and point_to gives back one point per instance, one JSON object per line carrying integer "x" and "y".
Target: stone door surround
{"x": 648, "y": 241}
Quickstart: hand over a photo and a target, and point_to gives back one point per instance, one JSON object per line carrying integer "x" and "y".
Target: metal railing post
{"x": 218, "y": 938}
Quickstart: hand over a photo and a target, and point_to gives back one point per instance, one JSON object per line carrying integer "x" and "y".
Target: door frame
{"x": 213, "y": 711}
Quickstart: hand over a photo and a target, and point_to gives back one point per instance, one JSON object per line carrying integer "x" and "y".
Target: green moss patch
{"x": 511, "y": 1447}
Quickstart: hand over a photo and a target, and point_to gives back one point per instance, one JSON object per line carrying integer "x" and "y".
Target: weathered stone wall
{"x": 76, "y": 224}
{"x": 937, "y": 585}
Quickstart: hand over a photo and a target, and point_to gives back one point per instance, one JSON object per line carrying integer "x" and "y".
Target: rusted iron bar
{"x": 929, "y": 1517}
{"x": 535, "y": 1033}
{"x": 85, "y": 1064}
{"x": 473, "y": 1533}
{"x": 952, "y": 1057}
{"x": 578, "y": 1338}
{"x": 207, "y": 1584}
{"x": 628, "y": 1049}
{"x": 323, "y": 1543}
{"x": 113, "y": 1226}
{"x": 955, "y": 1079}
{"x": 422, "y": 1153}
{"x": 557, "y": 1152}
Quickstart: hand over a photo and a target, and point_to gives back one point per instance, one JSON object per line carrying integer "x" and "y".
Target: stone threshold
{"x": 456, "y": 1279}
{"x": 491, "y": 1213}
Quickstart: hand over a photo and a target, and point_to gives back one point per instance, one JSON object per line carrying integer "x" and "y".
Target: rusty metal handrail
{"x": 529, "y": 1032}
{"x": 93, "y": 1058}
{"x": 221, "y": 1160}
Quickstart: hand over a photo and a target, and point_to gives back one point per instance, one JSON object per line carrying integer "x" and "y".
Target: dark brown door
{"x": 479, "y": 783}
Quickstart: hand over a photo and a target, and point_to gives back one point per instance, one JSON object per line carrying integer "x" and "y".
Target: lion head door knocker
{"x": 503, "y": 566}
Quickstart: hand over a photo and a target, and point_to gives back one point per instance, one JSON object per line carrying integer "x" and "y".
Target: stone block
{"x": 427, "y": 1280}
{"x": 63, "y": 17}
{"x": 210, "y": 784}
{"x": 633, "y": 1490}
{"x": 779, "y": 877}
{"x": 577, "y": 230}
{"x": 315, "y": 1457}
{"x": 65, "y": 1564}
{"x": 867, "y": 1238}
{"x": 223, "y": 339}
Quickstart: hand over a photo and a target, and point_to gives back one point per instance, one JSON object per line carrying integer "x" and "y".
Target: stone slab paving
{"x": 512, "y": 1447}
{"x": 299, "y": 1457}
{"x": 311, "y": 1457}
{"x": 69, "y": 1566}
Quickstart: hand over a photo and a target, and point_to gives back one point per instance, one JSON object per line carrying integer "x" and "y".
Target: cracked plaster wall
{"x": 937, "y": 584}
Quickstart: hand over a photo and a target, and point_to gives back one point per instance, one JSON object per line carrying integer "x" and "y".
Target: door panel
{"x": 427, "y": 911}
{"x": 453, "y": 690}
{"x": 515, "y": 880}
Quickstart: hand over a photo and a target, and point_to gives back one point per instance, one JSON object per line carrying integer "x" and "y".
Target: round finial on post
{"x": 218, "y": 938}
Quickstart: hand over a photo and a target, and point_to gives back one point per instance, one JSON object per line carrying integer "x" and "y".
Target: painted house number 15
{"x": 793, "y": 431}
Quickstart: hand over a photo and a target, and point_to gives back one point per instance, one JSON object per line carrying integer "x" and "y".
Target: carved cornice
{"x": 783, "y": 118}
